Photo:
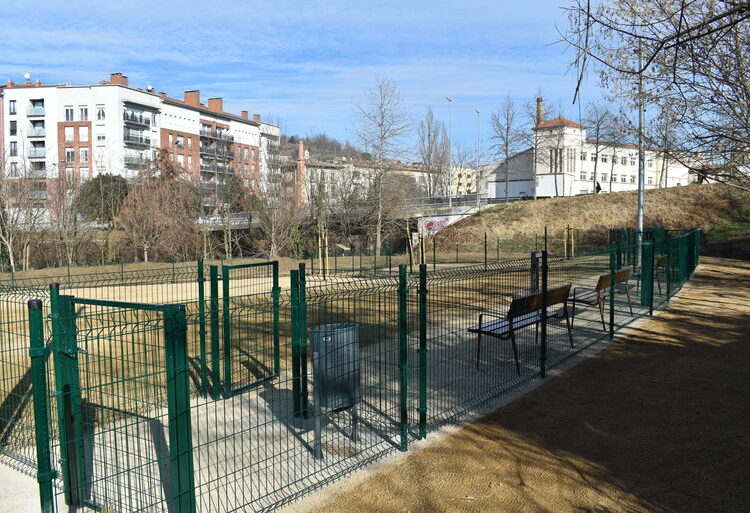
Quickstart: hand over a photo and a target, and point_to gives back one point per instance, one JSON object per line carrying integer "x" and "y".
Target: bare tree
{"x": 508, "y": 134}
{"x": 599, "y": 123}
{"x": 693, "y": 55}
{"x": 434, "y": 149}
{"x": 23, "y": 194}
{"x": 381, "y": 126}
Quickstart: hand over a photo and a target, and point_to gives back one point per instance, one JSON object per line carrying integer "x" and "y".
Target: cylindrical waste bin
{"x": 336, "y": 372}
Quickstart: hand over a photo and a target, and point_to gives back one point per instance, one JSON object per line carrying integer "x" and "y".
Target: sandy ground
{"x": 657, "y": 422}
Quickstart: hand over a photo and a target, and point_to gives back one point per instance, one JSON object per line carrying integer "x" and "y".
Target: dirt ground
{"x": 657, "y": 422}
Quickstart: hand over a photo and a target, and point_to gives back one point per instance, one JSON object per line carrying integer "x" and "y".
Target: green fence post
{"x": 422, "y": 351}
{"x": 360, "y": 259}
{"x": 174, "y": 277}
{"x": 485, "y": 250}
{"x": 403, "y": 357}
{"x": 375, "y": 260}
{"x": 201, "y": 279}
{"x": 69, "y": 282}
{"x": 647, "y": 275}
{"x": 38, "y": 353}
{"x": 302, "y": 340}
{"x": 68, "y": 392}
{"x": 353, "y": 257}
{"x": 276, "y": 294}
{"x": 178, "y": 408}
{"x": 214, "y": 308}
{"x": 312, "y": 264}
{"x": 668, "y": 270}
{"x": 543, "y": 334}
{"x": 434, "y": 251}
{"x": 612, "y": 262}
{"x": 226, "y": 326}
{"x": 295, "y": 307}
{"x": 456, "y": 253}
{"x": 335, "y": 261}
{"x": 122, "y": 273}
{"x": 497, "y": 249}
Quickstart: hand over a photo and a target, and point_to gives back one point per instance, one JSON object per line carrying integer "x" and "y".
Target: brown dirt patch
{"x": 657, "y": 422}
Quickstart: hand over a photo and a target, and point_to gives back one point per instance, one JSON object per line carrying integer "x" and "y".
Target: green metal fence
{"x": 211, "y": 389}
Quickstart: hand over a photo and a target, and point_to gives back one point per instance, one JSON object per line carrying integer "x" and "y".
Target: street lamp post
{"x": 450, "y": 151}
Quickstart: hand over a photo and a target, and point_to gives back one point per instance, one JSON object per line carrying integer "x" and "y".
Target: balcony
{"x": 37, "y": 153}
{"x": 136, "y": 119}
{"x": 208, "y": 168}
{"x": 216, "y": 153}
{"x": 220, "y": 136}
{"x": 140, "y": 162}
{"x": 35, "y": 111}
{"x": 137, "y": 139}
{"x": 37, "y": 173}
{"x": 37, "y": 195}
{"x": 36, "y": 132}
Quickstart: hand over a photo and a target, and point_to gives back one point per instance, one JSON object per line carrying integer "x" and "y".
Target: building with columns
{"x": 73, "y": 133}
{"x": 564, "y": 161}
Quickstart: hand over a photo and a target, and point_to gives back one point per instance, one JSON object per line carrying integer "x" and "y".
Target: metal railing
{"x": 137, "y": 161}
{"x": 36, "y": 132}
{"x": 35, "y": 111}
{"x": 36, "y": 153}
{"x": 213, "y": 134}
{"x": 137, "y": 139}
{"x": 138, "y": 119}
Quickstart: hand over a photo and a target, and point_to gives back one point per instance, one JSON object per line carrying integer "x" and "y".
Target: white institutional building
{"x": 567, "y": 163}
{"x": 64, "y": 131}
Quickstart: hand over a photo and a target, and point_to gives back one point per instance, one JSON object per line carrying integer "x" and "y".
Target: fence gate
{"x": 248, "y": 325}
{"x": 119, "y": 400}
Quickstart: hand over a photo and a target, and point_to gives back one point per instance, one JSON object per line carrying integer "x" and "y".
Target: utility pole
{"x": 450, "y": 151}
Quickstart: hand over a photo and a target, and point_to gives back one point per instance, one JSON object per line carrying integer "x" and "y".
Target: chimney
{"x": 193, "y": 98}
{"x": 11, "y": 83}
{"x": 216, "y": 104}
{"x": 162, "y": 95}
{"x": 244, "y": 114}
{"x": 38, "y": 83}
{"x": 118, "y": 79}
{"x": 539, "y": 111}
{"x": 256, "y": 117}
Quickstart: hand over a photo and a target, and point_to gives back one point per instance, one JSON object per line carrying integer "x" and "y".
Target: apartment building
{"x": 73, "y": 133}
{"x": 564, "y": 161}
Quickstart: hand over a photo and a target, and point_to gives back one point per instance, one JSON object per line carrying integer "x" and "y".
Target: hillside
{"x": 719, "y": 210}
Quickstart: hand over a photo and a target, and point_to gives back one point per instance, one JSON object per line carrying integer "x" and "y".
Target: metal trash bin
{"x": 336, "y": 372}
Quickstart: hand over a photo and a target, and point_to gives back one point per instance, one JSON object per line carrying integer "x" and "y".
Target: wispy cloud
{"x": 305, "y": 63}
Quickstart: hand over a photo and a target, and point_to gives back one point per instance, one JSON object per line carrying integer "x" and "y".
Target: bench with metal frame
{"x": 600, "y": 293}
{"x": 523, "y": 311}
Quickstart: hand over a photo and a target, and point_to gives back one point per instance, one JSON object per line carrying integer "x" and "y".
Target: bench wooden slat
{"x": 502, "y": 326}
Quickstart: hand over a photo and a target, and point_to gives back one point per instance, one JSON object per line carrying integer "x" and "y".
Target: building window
{"x": 101, "y": 115}
{"x": 84, "y": 112}
{"x": 604, "y": 159}
{"x": 181, "y": 159}
{"x": 624, "y": 161}
{"x": 632, "y": 161}
{"x": 584, "y": 191}
{"x": 190, "y": 158}
{"x": 583, "y": 175}
{"x": 11, "y": 106}
{"x": 614, "y": 178}
{"x": 13, "y": 149}
{"x": 84, "y": 154}
{"x": 85, "y": 174}
{"x": 69, "y": 134}
{"x": 593, "y": 157}
{"x": 170, "y": 141}
{"x": 650, "y": 180}
{"x": 632, "y": 178}
{"x": 13, "y": 128}
{"x": 180, "y": 141}
{"x": 101, "y": 138}
{"x": 69, "y": 174}
{"x": 583, "y": 155}
{"x": 623, "y": 179}
{"x": 13, "y": 173}
{"x": 650, "y": 163}
{"x": 70, "y": 155}
{"x": 604, "y": 177}
{"x": 83, "y": 133}
{"x": 190, "y": 143}
{"x": 68, "y": 113}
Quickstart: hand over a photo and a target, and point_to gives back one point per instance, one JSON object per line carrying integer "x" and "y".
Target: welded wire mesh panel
{"x": 16, "y": 408}
{"x": 260, "y": 447}
{"x": 117, "y": 425}
{"x": 466, "y": 368}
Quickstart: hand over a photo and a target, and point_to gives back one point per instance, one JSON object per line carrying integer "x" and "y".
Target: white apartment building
{"x": 64, "y": 131}
{"x": 568, "y": 163}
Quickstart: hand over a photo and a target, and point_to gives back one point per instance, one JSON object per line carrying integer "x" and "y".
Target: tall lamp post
{"x": 641, "y": 158}
{"x": 479, "y": 172}
{"x": 450, "y": 151}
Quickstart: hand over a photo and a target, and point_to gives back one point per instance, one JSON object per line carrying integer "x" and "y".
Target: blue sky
{"x": 303, "y": 63}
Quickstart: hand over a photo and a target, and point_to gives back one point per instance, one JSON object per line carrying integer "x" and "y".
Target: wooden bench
{"x": 523, "y": 311}
{"x": 600, "y": 293}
